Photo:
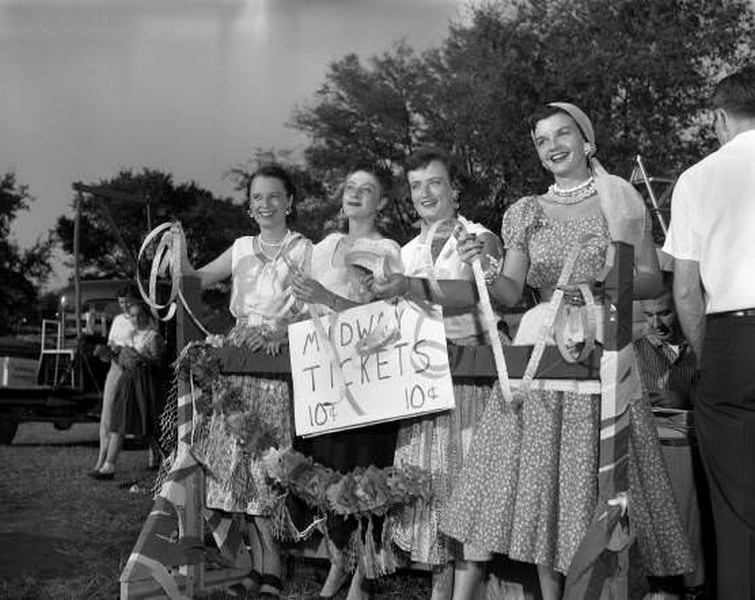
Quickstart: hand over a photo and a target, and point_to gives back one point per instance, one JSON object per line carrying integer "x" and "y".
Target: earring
{"x": 288, "y": 210}
{"x": 588, "y": 149}
{"x": 455, "y": 199}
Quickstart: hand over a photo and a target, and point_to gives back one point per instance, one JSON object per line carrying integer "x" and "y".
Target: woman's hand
{"x": 468, "y": 246}
{"x": 254, "y": 340}
{"x": 395, "y": 284}
{"x": 310, "y": 290}
{"x": 273, "y": 347}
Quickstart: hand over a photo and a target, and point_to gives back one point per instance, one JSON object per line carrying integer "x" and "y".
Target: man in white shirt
{"x": 712, "y": 240}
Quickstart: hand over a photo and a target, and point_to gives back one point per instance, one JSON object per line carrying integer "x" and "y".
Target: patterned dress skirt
{"x": 437, "y": 444}
{"x": 235, "y": 478}
{"x": 529, "y": 485}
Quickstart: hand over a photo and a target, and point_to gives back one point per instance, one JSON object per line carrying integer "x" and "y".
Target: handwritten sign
{"x": 393, "y": 364}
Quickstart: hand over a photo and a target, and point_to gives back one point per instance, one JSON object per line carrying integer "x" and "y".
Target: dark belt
{"x": 745, "y": 312}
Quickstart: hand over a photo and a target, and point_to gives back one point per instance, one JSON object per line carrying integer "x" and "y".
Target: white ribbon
{"x": 492, "y": 323}
{"x": 167, "y": 260}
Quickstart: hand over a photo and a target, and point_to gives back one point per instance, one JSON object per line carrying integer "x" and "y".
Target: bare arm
{"x": 215, "y": 271}
{"x": 308, "y": 289}
{"x": 510, "y": 285}
{"x": 690, "y": 304}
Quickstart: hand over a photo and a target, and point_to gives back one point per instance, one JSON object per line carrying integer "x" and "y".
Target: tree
{"x": 369, "y": 114}
{"x": 22, "y": 272}
{"x": 642, "y": 69}
{"x": 210, "y": 224}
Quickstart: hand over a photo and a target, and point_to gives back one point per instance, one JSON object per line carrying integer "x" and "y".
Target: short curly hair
{"x": 735, "y": 93}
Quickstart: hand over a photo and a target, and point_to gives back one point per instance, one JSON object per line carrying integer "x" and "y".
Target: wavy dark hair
{"x": 420, "y": 158}
{"x": 279, "y": 172}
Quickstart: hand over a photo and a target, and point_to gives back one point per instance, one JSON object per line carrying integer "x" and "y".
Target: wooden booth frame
{"x": 169, "y": 558}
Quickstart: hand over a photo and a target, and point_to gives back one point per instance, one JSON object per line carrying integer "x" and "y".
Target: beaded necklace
{"x": 276, "y": 246}
{"x": 573, "y": 195}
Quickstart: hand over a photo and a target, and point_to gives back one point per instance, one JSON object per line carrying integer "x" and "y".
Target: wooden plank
{"x": 105, "y": 192}
{"x": 475, "y": 362}
{"x": 186, "y": 330}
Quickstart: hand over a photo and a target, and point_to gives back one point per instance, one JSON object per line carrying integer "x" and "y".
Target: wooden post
{"x": 187, "y": 331}
{"x": 616, "y": 383}
{"x": 76, "y": 289}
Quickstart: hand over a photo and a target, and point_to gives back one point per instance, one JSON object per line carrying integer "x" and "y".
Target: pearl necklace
{"x": 573, "y": 195}
{"x": 263, "y": 244}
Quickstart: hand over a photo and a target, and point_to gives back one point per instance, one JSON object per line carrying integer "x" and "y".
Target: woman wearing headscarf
{"x": 529, "y": 488}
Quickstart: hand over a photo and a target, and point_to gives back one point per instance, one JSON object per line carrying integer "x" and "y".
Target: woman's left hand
{"x": 469, "y": 246}
{"x": 310, "y": 290}
{"x": 273, "y": 347}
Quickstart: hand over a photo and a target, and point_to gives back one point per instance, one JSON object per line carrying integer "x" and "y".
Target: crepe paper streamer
{"x": 432, "y": 280}
{"x": 371, "y": 262}
{"x": 169, "y": 260}
{"x": 550, "y": 316}
{"x": 491, "y": 321}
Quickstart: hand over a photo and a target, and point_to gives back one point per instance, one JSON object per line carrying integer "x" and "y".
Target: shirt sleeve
{"x": 517, "y": 223}
{"x": 682, "y": 242}
{"x": 120, "y": 330}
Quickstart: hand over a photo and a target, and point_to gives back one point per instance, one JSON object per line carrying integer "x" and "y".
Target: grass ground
{"x": 64, "y": 536}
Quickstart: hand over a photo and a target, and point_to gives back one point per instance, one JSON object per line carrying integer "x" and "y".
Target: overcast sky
{"x": 188, "y": 86}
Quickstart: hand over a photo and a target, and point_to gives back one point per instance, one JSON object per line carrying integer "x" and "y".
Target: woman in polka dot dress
{"x": 529, "y": 486}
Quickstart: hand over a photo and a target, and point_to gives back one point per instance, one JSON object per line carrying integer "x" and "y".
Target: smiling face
{"x": 362, "y": 195}
{"x": 561, "y": 146}
{"x": 432, "y": 194}
{"x": 269, "y": 202}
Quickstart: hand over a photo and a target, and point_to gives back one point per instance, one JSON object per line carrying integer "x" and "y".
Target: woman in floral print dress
{"x": 529, "y": 487}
